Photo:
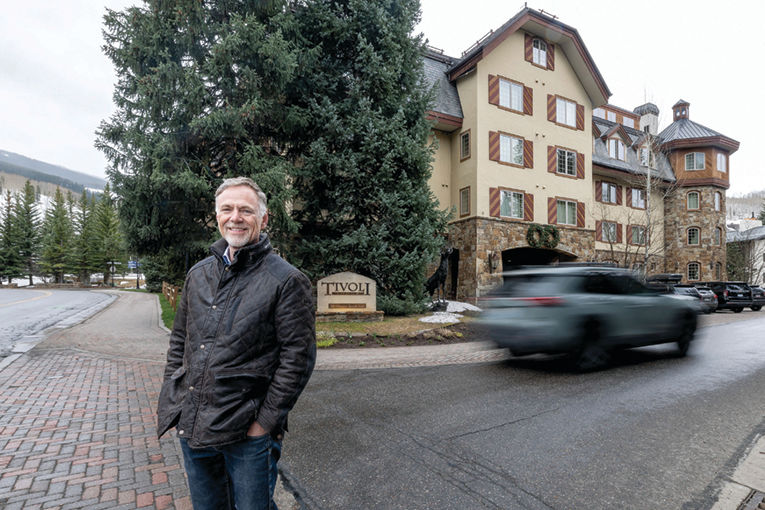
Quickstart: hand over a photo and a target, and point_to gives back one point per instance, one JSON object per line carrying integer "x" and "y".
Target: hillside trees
{"x": 11, "y": 263}
{"x": 83, "y": 257}
{"x": 27, "y": 219}
{"x": 56, "y": 239}
{"x": 108, "y": 243}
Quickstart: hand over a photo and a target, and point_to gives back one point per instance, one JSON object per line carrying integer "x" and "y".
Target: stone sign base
{"x": 350, "y": 317}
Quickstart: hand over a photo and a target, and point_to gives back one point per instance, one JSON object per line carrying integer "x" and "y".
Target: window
{"x": 694, "y": 161}
{"x": 722, "y": 163}
{"x": 638, "y": 235}
{"x": 693, "y": 200}
{"x": 599, "y": 112}
{"x": 511, "y": 204}
{"x": 565, "y": 112}
{"x": 566, "y": 162}
{"x": 566, "y": 212}
{"x": 693, "y": 236}
{"x": 609, "y": 232}
{"x": 510, "y": 150}
{"x": 465, "y": 201}
{"x": 694, "y": 268}
{"x": 647, "y": 158}
{"x": 511, "y": 95}
{"x": 718, "y": 271}
{"x": 611, "y": 116}
{"x": 718, "y": 236}
{"x": 718, "y": 200}
{"x": 616, "y": 148}
{"x": 465, "y": 145}
{"x": 608, "y": 193}
{"x": 638, "y": 198}
{"x": 629, "y": 122}
{"x": 540, "y": 52}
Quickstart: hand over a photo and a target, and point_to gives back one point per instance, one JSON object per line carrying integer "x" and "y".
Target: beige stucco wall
{"x": 441, "y": 176}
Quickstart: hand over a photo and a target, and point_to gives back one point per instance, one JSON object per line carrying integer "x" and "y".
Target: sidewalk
{"x": 77, "y": 413}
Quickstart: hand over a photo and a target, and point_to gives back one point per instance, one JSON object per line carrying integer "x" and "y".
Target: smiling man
{"x": 241, "y": 351}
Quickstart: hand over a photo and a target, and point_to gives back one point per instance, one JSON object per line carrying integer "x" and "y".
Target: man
{"x": 241, "y": 351}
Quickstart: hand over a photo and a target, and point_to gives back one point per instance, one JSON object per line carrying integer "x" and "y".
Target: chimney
{"x": 649, "y": 118}
{"x": 680, "y": 110}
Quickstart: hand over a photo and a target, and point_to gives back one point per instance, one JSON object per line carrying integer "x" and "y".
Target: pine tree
{"x": 28, "y": 225}
{"x": 57, "y": 239}
{"x": 360, "y": 138}
{"x": 83, "y": 253}
{"x": 109, "y": 250}
{"x": 198, "y": 99}
{"x": 11, "y": 263}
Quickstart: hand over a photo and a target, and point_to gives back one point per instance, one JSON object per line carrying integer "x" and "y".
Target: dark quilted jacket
{"x": 242, "y": 348}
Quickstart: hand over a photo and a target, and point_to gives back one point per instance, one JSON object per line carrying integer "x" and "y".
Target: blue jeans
{"x": 239, "y": 476}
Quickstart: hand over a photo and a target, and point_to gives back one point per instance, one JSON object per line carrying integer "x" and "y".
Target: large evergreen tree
{"x": 83, "y": 247}
{"x": 57, "y": 239}
{"x": 109, "y": 247}
{"x": 361, "y": 141}
{"x": 28, "y": 226}
{"x": 198, "y": 99}
{"x": 11, "y": 263}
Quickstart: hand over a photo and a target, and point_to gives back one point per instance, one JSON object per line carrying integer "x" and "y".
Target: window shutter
{"x": 629, "y": 234}
{"x": 580, "y": 117}
{"x": 599, "y": 191}
{"x": 551, "y": 108}
{"x": 552, "y": 211}
{"x": 528, "y": 207}
{"x": 618, "y": 195}
{"x": 618, "y": 232}
{"x": 598, "y": 230}
{"x": 493, "y": 146}
{"x": 579, "y": 165}
{"x": 629, "y": 197}
{"x": 580, "y": 214}
{"x": 493, "y": 89}
{"x": 552, "y": 159}
{"x": 528, "y": 154}
{"x": 550, "y": 57}
{"x": 528, "y": 100}
{"x": 528, "y": 52}
{"x": 494, "y": 202}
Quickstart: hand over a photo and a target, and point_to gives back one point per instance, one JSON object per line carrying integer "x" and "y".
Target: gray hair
{"x": 243, "y": 181}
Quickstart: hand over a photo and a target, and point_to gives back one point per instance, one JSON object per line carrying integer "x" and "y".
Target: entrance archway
{"x": 528, "y": 256}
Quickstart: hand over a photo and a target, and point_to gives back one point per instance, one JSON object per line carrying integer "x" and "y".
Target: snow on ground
{"x": 452, "y": 313}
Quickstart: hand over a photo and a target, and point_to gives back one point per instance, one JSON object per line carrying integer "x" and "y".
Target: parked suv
{"x": 758, "y": 297}
{"x": 731, "y": 295}
{"x": 584, "y": 311}
{"x": 708, "y": 299}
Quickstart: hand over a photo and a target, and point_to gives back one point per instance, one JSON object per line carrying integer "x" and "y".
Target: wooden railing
{"x": 171, "y": 293}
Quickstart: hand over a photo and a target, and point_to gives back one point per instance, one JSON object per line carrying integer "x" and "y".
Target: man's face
{"x": 238, "y": 216}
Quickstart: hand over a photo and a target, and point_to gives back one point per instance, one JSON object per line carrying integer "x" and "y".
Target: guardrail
{"x": 171, "y": 293}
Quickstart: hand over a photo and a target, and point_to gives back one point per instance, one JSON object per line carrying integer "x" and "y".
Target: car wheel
{"x": 737, "y": 310}
{"x": 686, "y": 334}
{"x": 591, "y": 355}
{"x": 757, "y": 308}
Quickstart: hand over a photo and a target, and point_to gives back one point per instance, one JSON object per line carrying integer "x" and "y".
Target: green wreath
{"x": 539, "y": 236}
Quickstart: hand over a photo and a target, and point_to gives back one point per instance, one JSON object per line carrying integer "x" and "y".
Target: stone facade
{"x": 709, "y": 253}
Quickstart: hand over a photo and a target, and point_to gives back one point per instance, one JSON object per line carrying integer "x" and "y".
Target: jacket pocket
{"x": 237, "y": 396}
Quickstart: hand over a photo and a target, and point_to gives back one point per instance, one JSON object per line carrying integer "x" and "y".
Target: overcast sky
{"x": 56, "y": 84}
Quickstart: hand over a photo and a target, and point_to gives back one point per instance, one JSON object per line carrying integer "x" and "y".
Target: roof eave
{"x": 722, "y": 142}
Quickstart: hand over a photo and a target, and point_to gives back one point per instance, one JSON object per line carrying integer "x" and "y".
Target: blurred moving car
{"x": 758, "y": 297}
{"x": 585, "y": 311}
{"x": 732, "y": 295}
{"x": 708, "y": 299}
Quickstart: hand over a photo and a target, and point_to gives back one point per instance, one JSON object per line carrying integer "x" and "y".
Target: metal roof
{"x": 684, "y": 129}
{"x": 600, "y": 155}
{"x": 753, "y": 234}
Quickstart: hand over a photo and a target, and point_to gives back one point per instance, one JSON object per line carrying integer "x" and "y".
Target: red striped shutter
{"x": 619, "y": 195}
{"x": 580, "y": 214}
{"x": 629, "y": 234}
{"x": 493, "y": 89}
{"x": 550, "y": 57}
{"x": 528, "y": 100}
{"x": 579, "y": 165}
{"x": 551, "y": 108}
{"x": 598, "y": 230}
{"x": 528, "y": 207}
{"x": 580, "y": 117}
{"x": 552, "y": 211}
{"x": 528, "y": 154}
{"x": 599, "y": 191}
{"x": 552, "y": 159}
{"x": 629, "y": 197}
{"x": 618, "y": 232}
{"x": 494, "y": 202}
{"x": 493, "y": 146}
{"x": 528, "y": 52}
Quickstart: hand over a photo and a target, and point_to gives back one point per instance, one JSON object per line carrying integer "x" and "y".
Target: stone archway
{"x": 528, "y": 256}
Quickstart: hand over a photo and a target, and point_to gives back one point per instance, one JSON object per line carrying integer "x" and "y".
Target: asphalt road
{"x": 27, "y": 312}
{"x": 651, "y": 432}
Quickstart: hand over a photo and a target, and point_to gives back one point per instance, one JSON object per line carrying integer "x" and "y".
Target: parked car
{"x": 584, "y": 311}
{"x": 758, "y": 297}
{"x": 708, "y": 299}
{"x": 732, "y": 295}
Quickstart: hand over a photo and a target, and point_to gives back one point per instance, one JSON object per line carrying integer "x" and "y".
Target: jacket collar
{"x": 248, "y": 254}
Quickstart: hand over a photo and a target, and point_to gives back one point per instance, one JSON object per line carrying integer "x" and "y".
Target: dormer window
{"x": 647, "y": 158}
{"x": 616, "y": 149}
{"x": 540, "y": 52}
{"x": 694, "y": 161}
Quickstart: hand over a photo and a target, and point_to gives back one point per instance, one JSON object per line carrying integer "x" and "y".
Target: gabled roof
{"x": 564, "y": 36}
{"x": 601, "y": 157}
{"x": 617, "y": 129}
